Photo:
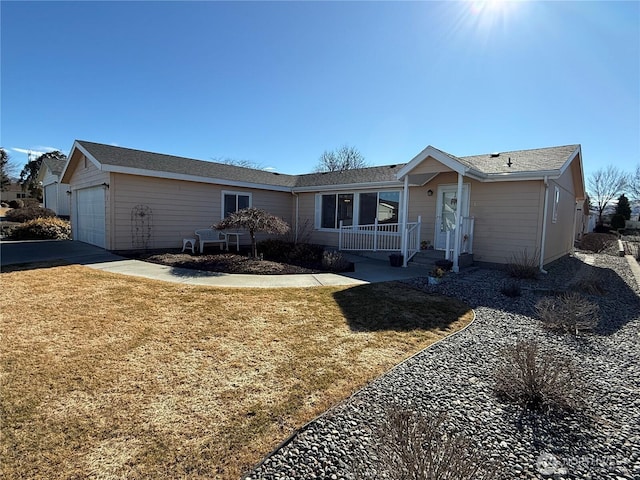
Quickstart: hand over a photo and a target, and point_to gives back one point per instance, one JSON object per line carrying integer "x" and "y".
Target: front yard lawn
{"x": 108, "y": 376}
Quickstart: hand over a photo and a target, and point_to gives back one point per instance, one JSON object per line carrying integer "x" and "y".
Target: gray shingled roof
{"x": 158, "y": 162}
{"x": 55, "y": 165}
{"x": 385, "y": 173}
{"x": 541, "y": 159}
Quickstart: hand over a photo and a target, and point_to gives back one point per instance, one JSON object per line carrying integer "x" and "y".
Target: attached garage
{"x": 90, "y": 216}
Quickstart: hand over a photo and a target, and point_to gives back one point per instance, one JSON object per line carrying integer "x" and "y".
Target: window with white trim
{"x": 234, "y": 201}
{"x": 362, "y": 208}
{"x": 556, "y": 203}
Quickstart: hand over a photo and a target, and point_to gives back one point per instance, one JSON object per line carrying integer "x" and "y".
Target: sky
{"x": 278, "y": 83}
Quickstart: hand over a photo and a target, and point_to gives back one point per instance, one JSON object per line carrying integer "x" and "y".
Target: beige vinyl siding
{"x": 560, "y": 234}
{"x": 178, "y": 208}
{"x": 508, "y": 219}
{"x": 507, "y": 215}
{"x": 86, "y": 175}
{"x": 430, "y": 165}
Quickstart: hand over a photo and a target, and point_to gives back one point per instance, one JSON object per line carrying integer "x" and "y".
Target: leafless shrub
{"x": 302, "y": 235}
{"x": 598, "y": 242}
{"x": 414, "y": 446}
{"x": 569, "y": 312}
{"x": 335, "y": 261}
{"x": 524, "y": 264}
{"x": 591, "y": 286}
{"x": 537, "y": 379}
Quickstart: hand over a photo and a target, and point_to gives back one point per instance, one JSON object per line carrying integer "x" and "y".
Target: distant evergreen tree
{"x": 29, "y": 174}
{"x": 5, "y": 181}
{"x": 624, "y": 207}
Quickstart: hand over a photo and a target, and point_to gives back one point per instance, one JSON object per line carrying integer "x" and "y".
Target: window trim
{"x": 236, "y": 193}
{"x": 556, "y": 204}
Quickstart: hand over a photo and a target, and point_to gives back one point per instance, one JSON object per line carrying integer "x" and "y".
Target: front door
{"x": 447, "y": 208}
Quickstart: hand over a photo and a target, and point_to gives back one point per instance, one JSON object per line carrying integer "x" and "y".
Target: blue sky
{"x": 279, "y": 83}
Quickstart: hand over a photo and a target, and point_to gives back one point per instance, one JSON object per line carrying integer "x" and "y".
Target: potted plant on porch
{"x": 436, "y": 275}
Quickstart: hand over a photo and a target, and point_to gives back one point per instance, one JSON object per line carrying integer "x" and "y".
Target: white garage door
{"x": 90, "y": 217}
{"x": 50, "y": 197}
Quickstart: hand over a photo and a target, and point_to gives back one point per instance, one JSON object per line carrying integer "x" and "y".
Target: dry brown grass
{"x": 109, "y": 376}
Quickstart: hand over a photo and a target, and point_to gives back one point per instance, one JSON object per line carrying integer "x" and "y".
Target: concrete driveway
{"x": 32, "y": 251}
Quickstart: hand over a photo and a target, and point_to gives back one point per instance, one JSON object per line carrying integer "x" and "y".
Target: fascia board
{"x": 570, "y": 159}
{"x": 77, "y": 146}
{"x": 515, "y": 177}
{"x": 192, "y": 178}
{"x": 348, "y": 186}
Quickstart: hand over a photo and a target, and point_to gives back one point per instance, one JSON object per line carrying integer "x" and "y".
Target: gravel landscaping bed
{"x": 456, "y": 376}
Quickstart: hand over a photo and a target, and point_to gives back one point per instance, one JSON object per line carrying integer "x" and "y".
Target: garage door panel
{"x": 90, "y": 218}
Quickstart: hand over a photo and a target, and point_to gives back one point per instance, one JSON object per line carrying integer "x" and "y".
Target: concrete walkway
{"x": 366, "y": 270}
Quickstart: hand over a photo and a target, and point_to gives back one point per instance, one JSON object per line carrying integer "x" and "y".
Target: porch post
{"x": 456, "y": 242}
{"x": 405, "y": 216}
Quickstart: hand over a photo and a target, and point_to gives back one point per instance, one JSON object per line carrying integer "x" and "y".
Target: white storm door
{"x": 447, "y": 206}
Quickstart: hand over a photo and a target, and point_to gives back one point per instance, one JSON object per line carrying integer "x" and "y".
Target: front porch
{"x": 382, "y": 239}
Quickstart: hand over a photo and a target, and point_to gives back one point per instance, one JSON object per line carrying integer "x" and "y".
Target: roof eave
{"x": 192, "y": 178}
{"x": 348, "y": 186}
{"x": 521, "y": 176}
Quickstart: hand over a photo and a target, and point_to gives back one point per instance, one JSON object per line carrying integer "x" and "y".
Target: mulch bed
{"x": 225, "y": 262}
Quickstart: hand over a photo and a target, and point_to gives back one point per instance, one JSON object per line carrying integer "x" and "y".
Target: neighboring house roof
{"x": 524, "y": 165}
{"x": 54, "y": 165}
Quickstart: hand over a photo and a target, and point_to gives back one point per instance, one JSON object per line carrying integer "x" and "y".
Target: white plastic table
{"x": 233, "y": 234}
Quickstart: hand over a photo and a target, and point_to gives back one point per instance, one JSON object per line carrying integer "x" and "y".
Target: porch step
{"x": 428, "y": 257}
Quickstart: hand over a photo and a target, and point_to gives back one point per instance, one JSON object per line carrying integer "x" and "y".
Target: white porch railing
{"x": 380, "y": 237}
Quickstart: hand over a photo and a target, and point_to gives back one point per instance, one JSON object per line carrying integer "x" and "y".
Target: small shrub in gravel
{"x": 569, "y": 312}
{"x": 591, "y": 286}
{"x": 28, "y": 213}
{"x": 524, "y": 265}
{"x": 537, "y": 379}
{"x": 417, "y": 446}
{"x": 597, "y": 242}
{"x": 42, "y": 229}
{"x": 511, "y": 289}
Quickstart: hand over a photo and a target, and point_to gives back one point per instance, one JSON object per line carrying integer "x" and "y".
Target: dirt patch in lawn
{"x": 107, "y": 376}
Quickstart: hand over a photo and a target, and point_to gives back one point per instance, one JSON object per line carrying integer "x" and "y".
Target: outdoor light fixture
{"x": 105, "y": 185}
{"x": 430, "y": 193}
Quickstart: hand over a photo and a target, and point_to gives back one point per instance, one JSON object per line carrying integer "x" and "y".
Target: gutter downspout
{"x": 295, "y": 237}
{"x": 544, "y": 223}
{"x": 405, "y": 215}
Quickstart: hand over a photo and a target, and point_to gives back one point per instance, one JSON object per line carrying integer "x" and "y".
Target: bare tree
{"x": 238, "y": 162}
{"x": 343, "y": 158}
{"x": 254, "y": 220}
{"x": 604, "y": 185}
